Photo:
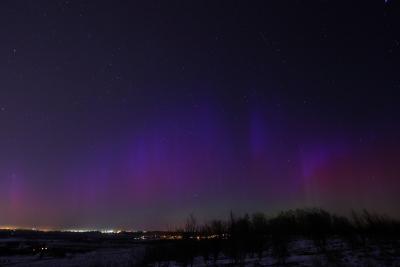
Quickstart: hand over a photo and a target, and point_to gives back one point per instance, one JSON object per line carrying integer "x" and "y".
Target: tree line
{"x": 256, "y": 235}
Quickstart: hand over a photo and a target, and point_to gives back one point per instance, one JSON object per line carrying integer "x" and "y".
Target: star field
{"x": 136, "y": 114}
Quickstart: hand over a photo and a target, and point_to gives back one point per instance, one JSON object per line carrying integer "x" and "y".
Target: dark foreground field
{"x": 294, "y": 238}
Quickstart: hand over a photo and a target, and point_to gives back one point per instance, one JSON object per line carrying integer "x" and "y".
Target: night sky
{"x": 128, "y": 114}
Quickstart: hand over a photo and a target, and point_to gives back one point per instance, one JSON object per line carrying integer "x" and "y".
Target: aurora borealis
{"x": 135, "y": 114}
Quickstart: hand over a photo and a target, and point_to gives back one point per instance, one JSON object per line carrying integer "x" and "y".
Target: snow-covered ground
{"x": 100, "y": 257}
{"x": 302, "y": 253}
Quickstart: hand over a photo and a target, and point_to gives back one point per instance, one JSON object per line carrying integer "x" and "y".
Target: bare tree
{"x": 191, "y": 224}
